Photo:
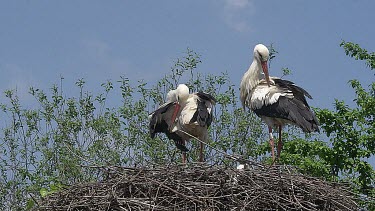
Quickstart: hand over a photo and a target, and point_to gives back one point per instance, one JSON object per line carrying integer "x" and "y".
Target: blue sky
{"x": 100, "y": 40}
{"x": 41, "y": 40}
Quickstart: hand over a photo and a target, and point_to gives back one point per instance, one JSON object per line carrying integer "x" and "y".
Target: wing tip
{"x": 206, "y": 96}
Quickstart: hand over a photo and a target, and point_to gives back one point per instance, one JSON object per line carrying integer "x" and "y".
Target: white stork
{"x": 276, "y": 101}
{"x": 183, "y": 114}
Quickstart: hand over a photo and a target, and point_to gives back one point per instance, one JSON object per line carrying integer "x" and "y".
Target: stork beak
{"x": 177, "y": 107}
{"x": 265, "y": 70}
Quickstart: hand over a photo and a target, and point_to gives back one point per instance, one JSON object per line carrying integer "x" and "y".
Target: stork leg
{"x": 271, "y": 143}
{"x": 201, "y": 152}
{"x": 279, "y": 144}
{"x": 183, "y": 157}
{"x": 203, "y": 141}
{"x": 183, "y": 153}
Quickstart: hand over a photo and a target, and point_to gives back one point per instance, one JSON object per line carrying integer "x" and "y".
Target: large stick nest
{"x": 203, "y": 187}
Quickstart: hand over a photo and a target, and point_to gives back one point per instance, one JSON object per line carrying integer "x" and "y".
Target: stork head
{"x": 261, "y": 54}
{"x": 182, "y": 94}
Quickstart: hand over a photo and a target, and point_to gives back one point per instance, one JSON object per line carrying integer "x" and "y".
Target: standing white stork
{"x": 183, "y": 114}
{"x": 276, "y": 101}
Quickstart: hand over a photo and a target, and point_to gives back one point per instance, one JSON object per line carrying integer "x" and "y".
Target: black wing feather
{"x": 291, "y": 109}
{"x": 295, "y": 109}
{"x": 202, "y": 115}
{"x": 297, "y": 91}
{"x": 159, "y": 125}
{"x": 206, "y": 96}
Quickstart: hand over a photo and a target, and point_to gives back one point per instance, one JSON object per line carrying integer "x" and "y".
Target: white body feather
{"x": 186, "y": 114}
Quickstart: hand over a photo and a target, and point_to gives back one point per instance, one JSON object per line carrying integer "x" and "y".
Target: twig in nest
{"x": 202, "y": 187}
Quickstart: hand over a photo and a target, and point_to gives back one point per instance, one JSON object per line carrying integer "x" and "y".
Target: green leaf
{"x": 43, "y": 192}
{"x": 30, "y": 204}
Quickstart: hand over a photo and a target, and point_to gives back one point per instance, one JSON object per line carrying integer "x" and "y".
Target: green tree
{"x": 351, "y": 134}
{"x": 352, "y": 130}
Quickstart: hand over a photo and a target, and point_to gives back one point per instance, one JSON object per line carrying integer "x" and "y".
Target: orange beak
{"x": 175, "y": 112}
{"x": 265, "y": 70}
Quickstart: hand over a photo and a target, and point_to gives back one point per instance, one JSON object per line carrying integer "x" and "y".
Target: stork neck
{"x": 254, "y": 73}
{"x": 257, "y": 69}
{"x": 183, "y": 103}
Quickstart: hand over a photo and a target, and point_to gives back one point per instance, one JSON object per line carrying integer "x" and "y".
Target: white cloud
{"x": 235, "y": 12}
{"x": 96, "y": 49}
{"x": 237, "y": 4}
